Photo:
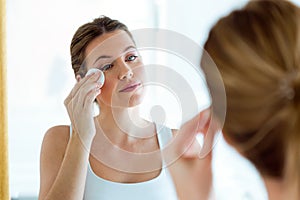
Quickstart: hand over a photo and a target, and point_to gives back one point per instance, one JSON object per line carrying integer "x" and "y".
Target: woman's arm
{"x": 192, "y": 175}
{"x": 63, "y": 165}
{"x": 64, "y": 161}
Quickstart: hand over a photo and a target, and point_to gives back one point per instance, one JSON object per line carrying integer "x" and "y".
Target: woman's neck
{"x": 275, "y": 188}
{"x": 121, "y": 124}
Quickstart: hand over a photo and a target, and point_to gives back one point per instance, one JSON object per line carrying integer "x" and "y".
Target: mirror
{"x": 39, "y": 77}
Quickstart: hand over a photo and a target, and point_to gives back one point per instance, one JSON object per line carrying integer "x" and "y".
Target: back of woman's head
{"x": 257, "y": 51}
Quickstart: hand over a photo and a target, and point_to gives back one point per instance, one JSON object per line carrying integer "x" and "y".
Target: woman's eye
{"x": 131, "y": 58}
{"x": 106, "y": 67}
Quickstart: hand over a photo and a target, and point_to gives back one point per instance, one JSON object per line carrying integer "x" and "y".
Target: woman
{"x": 116, "y": 154}
{"x": 257, "y": 51}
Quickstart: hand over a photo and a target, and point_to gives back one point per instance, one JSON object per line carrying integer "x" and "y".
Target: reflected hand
{"x": 192, "y": 172}
{"x": 79, "y": 104}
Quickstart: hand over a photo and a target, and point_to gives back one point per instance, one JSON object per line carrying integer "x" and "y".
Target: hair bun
{"x": 290, "y": 87}
{"x": 295, "y": 84}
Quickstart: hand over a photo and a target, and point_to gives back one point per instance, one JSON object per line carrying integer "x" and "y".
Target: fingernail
{"x": 204, "y": 117}
{"x": 99, "y": 85}
{"x": 97, "y": 90}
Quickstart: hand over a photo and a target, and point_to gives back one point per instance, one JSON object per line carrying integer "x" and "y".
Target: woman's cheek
{"x": 140, "y": 73}
{"x": 106, "y": 92}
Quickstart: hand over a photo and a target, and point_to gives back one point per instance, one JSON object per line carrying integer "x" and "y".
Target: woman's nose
{"x": 125, "y": 71}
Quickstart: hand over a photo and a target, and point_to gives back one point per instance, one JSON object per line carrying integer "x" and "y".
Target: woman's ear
{"x": 230, "y": 142}
{"x": 78, "y": 78}
{"x": 228, "y": 139}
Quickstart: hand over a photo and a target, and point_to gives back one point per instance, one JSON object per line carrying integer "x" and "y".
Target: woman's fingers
{"x": 199, "y": 123}
{"x": 84, "y": 91}
{"x": 79, "y": 105}
{"x": 89, "y": 78}
{"x": 193, "y": 176}
{"x": 90, "y": 97}
{"x": 186, "y": 135}
{"x": 80, "y": 100}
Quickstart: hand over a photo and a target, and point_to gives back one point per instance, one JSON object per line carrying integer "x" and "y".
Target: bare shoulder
{"x": 58, "y": 135}
{"x": 53, "y": 150}
{"x": 56, "y": 139}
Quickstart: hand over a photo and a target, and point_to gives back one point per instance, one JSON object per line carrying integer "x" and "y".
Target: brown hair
{"x": 85, "y": 34}
{"x": 257, "y": 51}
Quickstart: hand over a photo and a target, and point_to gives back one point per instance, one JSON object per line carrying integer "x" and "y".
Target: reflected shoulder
{"x": 57, "y": 137}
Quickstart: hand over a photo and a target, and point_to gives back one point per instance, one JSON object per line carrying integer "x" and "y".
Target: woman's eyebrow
{"x": 129, "y": 47}
{"x": 105, "y": 56}
{"x": 100, "y": 57}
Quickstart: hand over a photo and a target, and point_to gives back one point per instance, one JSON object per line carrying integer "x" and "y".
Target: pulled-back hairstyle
{"x": 85, "y": 34}
{"x": 257, "y": 51}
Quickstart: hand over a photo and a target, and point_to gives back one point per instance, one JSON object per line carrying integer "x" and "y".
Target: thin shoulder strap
{"x": 164, "y": 135}
{"x": 70, "y": 130}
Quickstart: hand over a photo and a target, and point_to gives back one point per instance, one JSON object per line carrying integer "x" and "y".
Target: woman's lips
{"x": 130, "y": 87}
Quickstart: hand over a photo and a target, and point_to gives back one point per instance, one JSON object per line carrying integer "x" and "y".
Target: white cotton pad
{"x": 102, "y": 77}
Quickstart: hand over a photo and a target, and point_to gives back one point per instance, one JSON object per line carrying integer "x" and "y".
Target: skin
{"x": 192, "y": 172}
{"x": 116, "y": 55}
{"x": 275, "y": 187}
{"x": 64, "y": 158}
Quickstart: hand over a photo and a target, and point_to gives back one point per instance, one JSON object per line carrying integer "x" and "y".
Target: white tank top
{"x": 159, "y": 188}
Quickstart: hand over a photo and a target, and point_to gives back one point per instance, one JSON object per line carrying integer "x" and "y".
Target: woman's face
{"x": 115, "y": 54}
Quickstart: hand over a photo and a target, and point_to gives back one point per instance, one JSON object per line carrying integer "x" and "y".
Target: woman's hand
{"x": 79, "y": 104}
{"x": 192, "y": 172}
{"x": 64, "y": 158}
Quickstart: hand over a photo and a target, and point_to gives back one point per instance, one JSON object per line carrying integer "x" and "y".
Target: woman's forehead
{"x": 111, "y": 44}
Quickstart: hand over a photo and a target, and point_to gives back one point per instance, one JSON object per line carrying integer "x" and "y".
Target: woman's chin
{"x": 130, "y": 100}
{"x": 136, "y": 98}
